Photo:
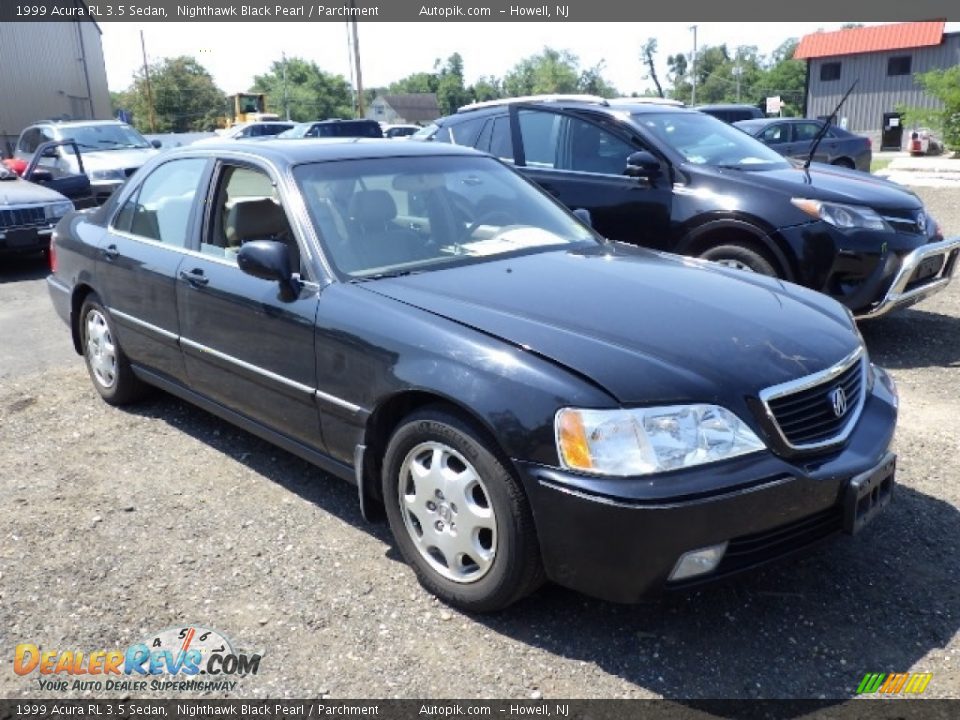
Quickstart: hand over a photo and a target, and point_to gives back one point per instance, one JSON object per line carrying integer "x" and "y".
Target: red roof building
{"x": 883, "y": 61}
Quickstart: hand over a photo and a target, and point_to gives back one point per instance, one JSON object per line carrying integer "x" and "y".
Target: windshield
{"x": 705, "y": 140}
{"x": 390, "y": 216}
{"x": 104, "y": 137}
{"x": 297, "y": 131}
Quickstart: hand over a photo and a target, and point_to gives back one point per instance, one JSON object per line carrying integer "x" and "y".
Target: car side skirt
{"x": 315, "y": 457}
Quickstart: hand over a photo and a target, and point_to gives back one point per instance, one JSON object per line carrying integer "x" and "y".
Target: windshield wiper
{"x": 826, "y": 126}
{"x": 384, "y": 275}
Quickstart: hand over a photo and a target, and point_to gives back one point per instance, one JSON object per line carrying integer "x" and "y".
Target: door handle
{"x": 195, "y": 277}
{"x": 110, "y": 253}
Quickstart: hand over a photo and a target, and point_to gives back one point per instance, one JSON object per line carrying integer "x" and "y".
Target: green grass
{"x": 879, "y": 164}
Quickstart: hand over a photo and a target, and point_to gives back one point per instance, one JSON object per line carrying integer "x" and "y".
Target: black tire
{"x": 845, "y": 163}
{"x": 515, "y": 569}
{"x": 742, "y": 257}
{"x": 114, "y": 380}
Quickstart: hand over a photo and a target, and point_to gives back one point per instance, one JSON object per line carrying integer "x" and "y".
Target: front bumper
{"x": 871, "y": 273}
{"x": 905, "y": 289}
{"x": 620, "y": 538}
{"x": 25, "y": 240}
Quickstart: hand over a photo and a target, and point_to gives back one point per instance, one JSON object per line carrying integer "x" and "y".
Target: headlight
{"x": 57, "y": 209}
{"x": 650, "y": 440}
{"x": 846, "y": 217}
{"x": 115, "y": 174}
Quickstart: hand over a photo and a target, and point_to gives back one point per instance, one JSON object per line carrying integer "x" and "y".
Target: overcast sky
{"x": 235, "y": 52}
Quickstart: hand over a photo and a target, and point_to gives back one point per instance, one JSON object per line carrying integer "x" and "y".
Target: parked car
{"x": 679, "y": 180}
{"x": 112, "y": 150}
{"x": 335, "y": 128}
{"x": 793, "y": 137}
{"x": 394, "y": 132}
{"x": 731, "y": 113}
{"x": 263, "y": 128}
{"x": 523, "y": 398}
{"x": 28, "y": 214}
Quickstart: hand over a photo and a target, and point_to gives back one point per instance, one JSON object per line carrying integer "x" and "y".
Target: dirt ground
{"x": 116, "y": 524}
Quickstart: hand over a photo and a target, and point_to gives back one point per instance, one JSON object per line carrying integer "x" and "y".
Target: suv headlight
{"x": 114, "y": 174}
{"x": 57, "y": 209}
{"x": 845, "y": 217}
{"x": 650, "y": 440}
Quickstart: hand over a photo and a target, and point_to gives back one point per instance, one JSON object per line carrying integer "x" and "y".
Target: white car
{"x": 398, "y": 132}
{"x": 265, "y": 128}
{"x": 112, "y": 150}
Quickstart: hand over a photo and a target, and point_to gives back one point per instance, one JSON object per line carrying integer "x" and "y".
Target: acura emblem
{"x": 838, "y": 401}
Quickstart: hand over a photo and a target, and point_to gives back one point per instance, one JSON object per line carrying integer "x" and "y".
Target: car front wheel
{"x": 108, "y": 366}
{"x": 459, "y": 516}
{"x": 740, "y": 257}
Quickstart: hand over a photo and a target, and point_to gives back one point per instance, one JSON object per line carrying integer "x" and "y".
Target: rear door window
{"x": 160, "y": 209}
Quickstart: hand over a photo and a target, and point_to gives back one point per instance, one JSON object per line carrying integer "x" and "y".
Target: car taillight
{"x": 869, "y": 144}
{"x": 52, "y": 253}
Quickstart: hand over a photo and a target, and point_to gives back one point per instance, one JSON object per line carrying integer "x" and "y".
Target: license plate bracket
{"x": 868, "y": 494}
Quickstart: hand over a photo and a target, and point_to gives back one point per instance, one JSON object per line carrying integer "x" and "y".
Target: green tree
{"x": 451, "y": 94}
{"x": 308, "y": 93}
{"x": 944, "y": 85}
{"x": 648, "y": 55}
{"x": 486, "y": 88}
{"x": 421, "y": 82}
{"x": 185, "y": 98}
{"x": 785, "y": 77}
{"x": 554, "y": 71}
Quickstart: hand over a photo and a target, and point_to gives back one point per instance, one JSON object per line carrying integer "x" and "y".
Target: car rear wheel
{"x": 846, "y": 163}
{"x": 108, "y": 366}
{"x": 459, "y": 516}
{"x": 741, "y": 258}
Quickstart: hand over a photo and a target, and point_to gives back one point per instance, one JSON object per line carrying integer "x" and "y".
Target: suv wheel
{"x": 740, "y": 257}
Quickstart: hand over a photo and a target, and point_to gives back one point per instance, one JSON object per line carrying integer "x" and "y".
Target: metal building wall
{"x": 50, "y": 69}
{"x": 876, "y": 93}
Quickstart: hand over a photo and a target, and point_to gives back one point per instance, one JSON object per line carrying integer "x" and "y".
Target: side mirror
{"x": 269, "y": 260}
{"x": 156, "y": 143}
{"x": 50, "y": 152}
{"x": 643, "y": 164}
{"x": 583, "y": 215}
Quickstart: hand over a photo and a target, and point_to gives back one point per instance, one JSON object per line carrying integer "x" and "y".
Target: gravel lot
{"x": 119, "y": 523}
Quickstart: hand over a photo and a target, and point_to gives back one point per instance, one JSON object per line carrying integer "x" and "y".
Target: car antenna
{"x": 826, "y": 125}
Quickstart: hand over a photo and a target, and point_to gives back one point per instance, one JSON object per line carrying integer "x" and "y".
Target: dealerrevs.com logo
{"x": 185, "y": 658}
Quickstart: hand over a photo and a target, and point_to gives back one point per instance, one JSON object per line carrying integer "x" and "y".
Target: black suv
{"x": 677, "y": 179}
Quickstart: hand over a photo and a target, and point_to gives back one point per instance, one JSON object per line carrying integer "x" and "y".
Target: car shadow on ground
{"x": 913, "y": 339}
{"x": 807, "y": 628}
{"x": 17, "y": 268}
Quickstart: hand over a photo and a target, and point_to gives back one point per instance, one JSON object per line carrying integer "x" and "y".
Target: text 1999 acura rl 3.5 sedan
{"x": 525, "y": 399}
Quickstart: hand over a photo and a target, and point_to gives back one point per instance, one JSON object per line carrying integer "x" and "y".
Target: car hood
{"x": 19, "y": 192}
{"x": 825, "y": 182}
{"x": 645, "y": 326}
{"x": 113, "y": 159}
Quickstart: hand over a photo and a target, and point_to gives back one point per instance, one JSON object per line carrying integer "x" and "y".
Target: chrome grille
{"x": 804, "y": 411}
{"x": 11, "y": 218}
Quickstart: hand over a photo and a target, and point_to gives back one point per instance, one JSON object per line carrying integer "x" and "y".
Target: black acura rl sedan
{"x": 525, "y": 400}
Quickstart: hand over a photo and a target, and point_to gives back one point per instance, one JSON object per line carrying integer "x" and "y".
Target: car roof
{"x": 727, "y": 106}
{"x": 756, "y": 123}
{"x": 611, "y": 107}
{"x": 76, "y": 123}
{"x": 294, "y": 151}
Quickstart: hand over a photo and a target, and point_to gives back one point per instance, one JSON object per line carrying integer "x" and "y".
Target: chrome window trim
{"x": 819, "y": 378}
{"x": 143, "y": 324}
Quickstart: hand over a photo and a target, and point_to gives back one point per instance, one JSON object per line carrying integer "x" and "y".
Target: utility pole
{"x": 146, "y": 77}
{"x": 286, "y": 103}
{"x": 738, "y": 71}
{"x": 356, "y": 59}
{"x": 693, "y": 75}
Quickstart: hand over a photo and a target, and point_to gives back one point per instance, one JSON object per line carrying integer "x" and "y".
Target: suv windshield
{"x": 393, "y": 216}
{"x": 704, "y": 140}
{"x": 103, "y": 137}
